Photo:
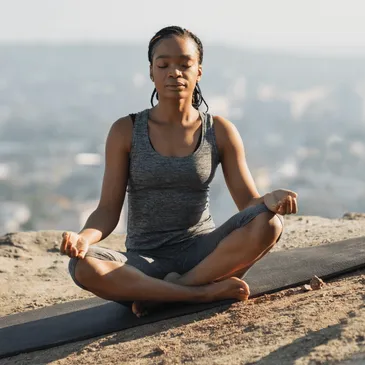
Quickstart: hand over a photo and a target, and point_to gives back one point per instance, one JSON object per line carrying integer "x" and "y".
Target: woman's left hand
{"x": 282, "y": 201}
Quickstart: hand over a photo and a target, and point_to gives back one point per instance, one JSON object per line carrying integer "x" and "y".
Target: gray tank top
{"x": 168, "y": 197}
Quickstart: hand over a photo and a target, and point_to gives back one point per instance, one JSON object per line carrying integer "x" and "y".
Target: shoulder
{"x": 226, "y": 132}
{"x": 223, "y": 125}
{"x": 122, "y": 125}
{"x": 121, "y": 132}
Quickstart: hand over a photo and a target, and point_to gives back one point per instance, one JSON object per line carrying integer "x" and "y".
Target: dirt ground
{"x": 325, "y": 326}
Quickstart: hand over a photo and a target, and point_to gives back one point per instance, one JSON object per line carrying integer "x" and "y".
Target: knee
{"x": 266, "y": 228}
{"x": 86, "y": 271}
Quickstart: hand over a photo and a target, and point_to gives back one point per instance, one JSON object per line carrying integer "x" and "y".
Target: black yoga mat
{"x": 83, "y": 319}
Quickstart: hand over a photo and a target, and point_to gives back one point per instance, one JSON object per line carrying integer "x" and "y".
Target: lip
{"x": 178, "y": 84}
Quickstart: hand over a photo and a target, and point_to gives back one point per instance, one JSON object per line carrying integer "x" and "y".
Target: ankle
{"x": 204, "y": 293}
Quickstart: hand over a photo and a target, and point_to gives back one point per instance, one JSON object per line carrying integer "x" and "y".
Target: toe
{"x": 243, "y": 295}
{"x": 135, "y": 309}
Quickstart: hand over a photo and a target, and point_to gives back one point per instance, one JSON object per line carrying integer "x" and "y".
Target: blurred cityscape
{"x": 301, "y": 118}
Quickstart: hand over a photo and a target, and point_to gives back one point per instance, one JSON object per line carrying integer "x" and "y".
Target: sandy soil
{"x": 326, "y": 326}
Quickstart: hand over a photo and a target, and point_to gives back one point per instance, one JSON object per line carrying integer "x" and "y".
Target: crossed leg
{"x": 237, "y": 252}
{"x": 212, "y": 279}
{"x": 121, "y": 282}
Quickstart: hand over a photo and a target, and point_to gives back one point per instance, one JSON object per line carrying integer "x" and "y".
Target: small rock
{"x": 307, "y": 287}
{"x": 316, "y": 283}
{"x": 90, "y": 349}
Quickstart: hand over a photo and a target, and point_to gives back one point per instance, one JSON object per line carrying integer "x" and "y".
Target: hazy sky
{"x": 327, "y": 25}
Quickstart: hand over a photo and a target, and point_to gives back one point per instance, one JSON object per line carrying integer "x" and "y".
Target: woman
{"x": 165, "y": 158}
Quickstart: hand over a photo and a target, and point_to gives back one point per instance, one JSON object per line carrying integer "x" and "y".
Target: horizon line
{"x": 320, "y": 52}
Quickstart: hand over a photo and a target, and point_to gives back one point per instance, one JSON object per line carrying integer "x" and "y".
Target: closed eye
{"x": 183, "y": 66}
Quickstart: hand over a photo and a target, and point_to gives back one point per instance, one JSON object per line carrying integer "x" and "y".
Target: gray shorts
{"x": 175, "y": 258}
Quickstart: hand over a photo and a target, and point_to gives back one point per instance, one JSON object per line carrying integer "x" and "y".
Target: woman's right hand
{"x": 74, "y": 245}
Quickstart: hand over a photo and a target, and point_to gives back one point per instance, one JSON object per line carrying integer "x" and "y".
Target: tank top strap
{"x": 208, "y": 121}
{"x": 203, "y": 117}
{"x": 210, "y": 136}
{"x": 140, "y": 130}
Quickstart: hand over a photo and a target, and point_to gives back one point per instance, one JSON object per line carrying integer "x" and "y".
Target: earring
{"x": 151, "y": 77}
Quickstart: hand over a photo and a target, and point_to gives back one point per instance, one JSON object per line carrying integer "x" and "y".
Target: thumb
{"x": 82, "y": 254}
{"x": 82, "y": 246}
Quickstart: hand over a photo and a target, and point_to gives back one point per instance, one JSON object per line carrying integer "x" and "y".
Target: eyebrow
{"x": 184, "y": 56}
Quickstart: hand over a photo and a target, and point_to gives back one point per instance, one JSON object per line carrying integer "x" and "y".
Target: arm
{"x": 106, "y": 216}
{"x": 236, "y": 172}
{"x": 238, "y": 177}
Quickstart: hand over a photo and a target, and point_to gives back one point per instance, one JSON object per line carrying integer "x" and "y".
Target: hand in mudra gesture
{"x": 73, "y": 245}
{"x": 282, "y": 201}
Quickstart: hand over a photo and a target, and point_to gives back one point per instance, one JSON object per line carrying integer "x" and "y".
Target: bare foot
{"x": 231, "y": 288}
{"x": 142, "y": 308}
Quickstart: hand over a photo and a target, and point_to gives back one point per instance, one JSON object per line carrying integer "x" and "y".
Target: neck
{"x": 174, "y": 111}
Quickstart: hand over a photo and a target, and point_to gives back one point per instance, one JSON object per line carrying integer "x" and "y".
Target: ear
{"x": 200, "y": 73}
{"x": 151, "y": 75}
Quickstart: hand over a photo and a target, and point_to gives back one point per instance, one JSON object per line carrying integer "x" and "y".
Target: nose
{"x": 175, "y": 72}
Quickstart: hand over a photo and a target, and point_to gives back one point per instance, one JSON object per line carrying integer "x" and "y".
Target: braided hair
{"x": 170, "y": 31}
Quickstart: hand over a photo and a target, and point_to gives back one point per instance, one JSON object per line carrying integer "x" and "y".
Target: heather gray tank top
{"x": 168, "y": 197}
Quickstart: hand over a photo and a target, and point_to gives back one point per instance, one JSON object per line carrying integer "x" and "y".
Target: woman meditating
{"x": 165, "y": 158}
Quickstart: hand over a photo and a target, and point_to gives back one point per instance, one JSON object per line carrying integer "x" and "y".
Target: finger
{"x": 289, "y": 205}
{"x": 63, "y": 243}
{"x": 292, "y": 193}
{"x": 74, "y": 251}
{"x": 65, "y": 238}
{"x": 295, "y": 206}
{"x": 68, "y": 248}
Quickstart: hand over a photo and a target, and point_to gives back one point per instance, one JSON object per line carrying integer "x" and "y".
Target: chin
{"x": 176, "y": 94}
